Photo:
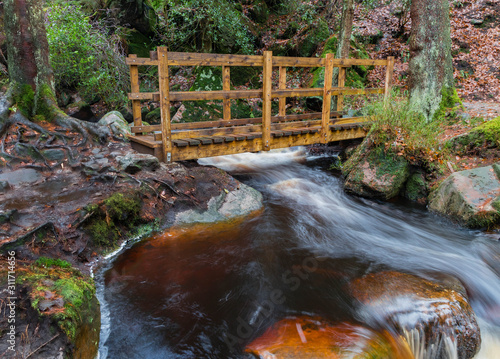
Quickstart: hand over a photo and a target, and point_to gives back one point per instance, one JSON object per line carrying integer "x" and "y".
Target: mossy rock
{"x": 481, "y": 139}
{"x": 416, "y": 188}
{"x": 113, "y": 218}
{"x": 154, "y": 117}
{"x": 315, "y": 36}
{"x": 68, "y": 297}
{"x": 375, "y": 173}
{"x": 470, "y": 197}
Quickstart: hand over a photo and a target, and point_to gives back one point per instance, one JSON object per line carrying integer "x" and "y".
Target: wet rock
{"x": 378, "y": 175}
{"x": 470, "y": 197}
{"x": 134, "y": 162}
{"x": 312, "y": 337}
{"x": 24, "y": 175}
{"x": 228, "y": 205}
{"x": 425, "y": 312}
{"x": 54, "y": 154}
{"x": 116, "y": 122}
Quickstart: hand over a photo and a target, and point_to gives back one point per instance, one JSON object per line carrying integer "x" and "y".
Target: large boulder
{"x": 377, "y": 174}
{"x": 429, "y": 314}
{"x": 116, "y": 122}
{"x": 229, "y": 205}
{"x": 470, "y": 197}
{"x": 313, "y": 337}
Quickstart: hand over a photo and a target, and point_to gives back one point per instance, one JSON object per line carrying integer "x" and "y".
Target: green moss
{"x": 485, "y": 219}
{"x": 113, "y": 218}
{"x": 24, "y": 98}
{"x": 76, "y": 290}
{"x": 490, "y": 131}
{"x": 315, "y": 37}
{"x": 449, "y": 102}
{"x": 33, "y": 105}
{"x": 416, "y": 187}
{"x": 51, "y": 262}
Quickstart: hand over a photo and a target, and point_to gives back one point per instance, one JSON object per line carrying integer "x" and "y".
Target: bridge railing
{"x": 164, "y": 59}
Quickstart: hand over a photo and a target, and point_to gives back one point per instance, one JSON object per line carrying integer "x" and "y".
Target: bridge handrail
{"x": 164, "y": 59}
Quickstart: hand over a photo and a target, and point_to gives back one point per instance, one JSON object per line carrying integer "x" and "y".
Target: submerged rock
{"x": 312, "y": 337}
{"x": 240, "y": 202}
{"x": 470, "y": 197}
{"x": 434, "y": 318}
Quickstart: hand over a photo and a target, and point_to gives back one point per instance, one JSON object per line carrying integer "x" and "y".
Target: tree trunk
{"x": 31, "y": 91}
{"x": 345, "y": 29}
{"x": 344, "y": 42}
{"x": 430, "y": 78}
{"x": 27, "y": 46}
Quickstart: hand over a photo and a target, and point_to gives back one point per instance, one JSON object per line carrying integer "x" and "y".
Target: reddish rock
{"x": 470, "y": 197}
{"x": 312, "y": 337}
{"x": 416, "y": 305}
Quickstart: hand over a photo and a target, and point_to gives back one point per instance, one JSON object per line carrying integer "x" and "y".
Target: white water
{"x": 177, "y": 299}
{"x": 408, "y": 239}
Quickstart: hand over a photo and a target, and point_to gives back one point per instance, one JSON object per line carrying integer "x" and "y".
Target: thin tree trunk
{"x": 430, "y": 78}
{"x": 345, "y": 29}
{"x": 344, "y": 42}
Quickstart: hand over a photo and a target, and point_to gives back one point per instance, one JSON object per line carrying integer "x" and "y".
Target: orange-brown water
{"x": 208, "y": 292}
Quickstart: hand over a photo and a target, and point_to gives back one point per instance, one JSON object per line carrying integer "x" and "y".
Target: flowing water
{"x": 209, "y": 291}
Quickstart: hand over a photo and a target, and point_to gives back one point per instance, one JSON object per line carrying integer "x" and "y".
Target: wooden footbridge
{"x": 182, "y": 141}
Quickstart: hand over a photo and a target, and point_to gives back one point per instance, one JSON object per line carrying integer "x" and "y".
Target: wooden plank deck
{"x": 185, "y": 141}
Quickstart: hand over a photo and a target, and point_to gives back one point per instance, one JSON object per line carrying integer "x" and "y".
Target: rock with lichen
{"x": 471, "y": 197}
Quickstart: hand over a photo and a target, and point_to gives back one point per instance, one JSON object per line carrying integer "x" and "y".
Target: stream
{"x": 206, "y": 292}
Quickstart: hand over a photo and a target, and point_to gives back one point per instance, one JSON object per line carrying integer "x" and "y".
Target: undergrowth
{"x": 405, "y": 133}
{"x": 85, "y": 56}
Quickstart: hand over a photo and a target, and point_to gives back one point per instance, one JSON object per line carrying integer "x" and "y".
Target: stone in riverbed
{"x": 418, "y": 307}
{"x": 228, "y": 205}
{"x": 470, "y": 197}
{"x": 378, "y": 175}
{"x": 313, "y": 337}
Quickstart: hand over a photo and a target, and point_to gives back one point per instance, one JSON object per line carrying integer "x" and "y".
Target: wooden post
{"x": 266, "y": 99}
{"x": 282, "y": 86}
{"x": 134, "y": 88}
{"x": 340, "y": 98}
{"x": 166, "y": 131}
{"x": 327, "y": 98}
{"x": 226, "y": 86}
{"x": 388, "y": 77}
